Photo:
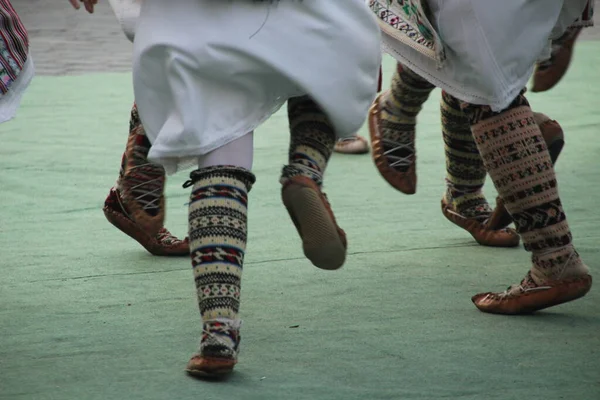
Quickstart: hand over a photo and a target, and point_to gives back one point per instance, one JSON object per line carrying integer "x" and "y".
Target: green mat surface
{"x": 86, "y": 313}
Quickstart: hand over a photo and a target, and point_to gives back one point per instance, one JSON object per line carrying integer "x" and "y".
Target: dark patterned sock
{"x": 465, "y": 172}
{"x": 515, "y": 155}
{"x": 399, "y": 116}
{"x": 312, "y": 139}
{"x": 217, "y": 232}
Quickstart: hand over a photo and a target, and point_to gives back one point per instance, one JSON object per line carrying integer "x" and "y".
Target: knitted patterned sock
{"x": 217, "y": 231}
{"x": 515, "y": 155}
{"x": 399, "y": 116}
{"x": 140, "y": 181}
{"x": 312, "y": 139}
{"x": 465, "y": 172}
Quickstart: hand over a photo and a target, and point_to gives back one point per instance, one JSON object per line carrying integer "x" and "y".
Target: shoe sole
{"x": 546, "y": 80}
{"x": 555, "y": 149}
{"x": 343, "y": 151}
{"x": 347, "y": 149}
{"x": 321, "y": 240}
{"x": 215, "y": 373}
{"x": 212, "y": 368}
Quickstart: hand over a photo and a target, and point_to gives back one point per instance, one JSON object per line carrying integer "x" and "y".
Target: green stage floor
{"x": 86, "y": 314}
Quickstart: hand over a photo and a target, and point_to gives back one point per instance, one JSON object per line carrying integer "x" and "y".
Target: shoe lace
{"x": 166, "y": 237}
{"x": 224, "y": 326}
{"x": 395, "y": 160}
{"x": 147, "y": 185}
{"x": 528, "y": 284}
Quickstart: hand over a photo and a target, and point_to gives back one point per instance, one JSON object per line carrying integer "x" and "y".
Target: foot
{"x": 162, "y": 243}
{"x": 552, "y": 133}
{"x": 549, "y": 73}
{"x": 323, "y": 241}
{"x": 479, "y": 227}
{"x": 529, "y": 296}
{"x": 394, "y": 158}
{"x": 219, "y": 349}
{"x": 352, "y": 145}
{"x": 555, "y": 140}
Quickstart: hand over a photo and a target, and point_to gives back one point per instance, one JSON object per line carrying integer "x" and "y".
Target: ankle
{"x": 468, "y": 204}
{"x": 393, "y": 109}
{"x": 556, "y": 264}
{"x": 293, "y": 170}
{"x": 220, "y": 338}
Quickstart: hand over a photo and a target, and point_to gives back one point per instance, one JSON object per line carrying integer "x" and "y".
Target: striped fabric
{"x": 14, "y": 45}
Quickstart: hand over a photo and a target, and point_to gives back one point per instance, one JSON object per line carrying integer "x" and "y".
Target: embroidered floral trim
{"x": 420, "y": 35}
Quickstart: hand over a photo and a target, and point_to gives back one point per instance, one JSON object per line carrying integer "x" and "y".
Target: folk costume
{"x": 136, "y": 203}
{"x": 550, "y": 71}
{"x": 16, "y": 65}
{"x": 460, "y": 46}
{"x": 201, "y": 91}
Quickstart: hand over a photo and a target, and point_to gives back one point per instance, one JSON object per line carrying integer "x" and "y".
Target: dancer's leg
{"x": 136, "y": 204}
{"x": 516, "y": 157}
{"x": 217, "y": 230}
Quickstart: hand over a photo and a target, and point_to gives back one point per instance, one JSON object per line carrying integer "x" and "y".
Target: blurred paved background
{"x": 65, "y": 41}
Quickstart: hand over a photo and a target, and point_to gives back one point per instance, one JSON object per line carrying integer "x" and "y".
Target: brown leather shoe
{"x": 555, "y": 140}
{"x": 548, "y": 74}
{"x": 522, "y": 300}
{"x": 201, "y": 366}
{"x": 352, "y": 145}
{"x": 552, "y": 133}
{"x": 323, "y": 241}
{"x": 219, "y": 349}
{"x": 406, "y": 182}
{"x": 137, "y": 207}
{"x": 481, "y": 231}
{"x": 161, "y": 243}
{"x": 500, "y": 217}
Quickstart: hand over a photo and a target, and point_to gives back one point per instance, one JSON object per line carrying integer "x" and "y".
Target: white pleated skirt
{"x": 207, "y": 72}
{"x": 491, "y": 46}
{"x": 127, "y": 13}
